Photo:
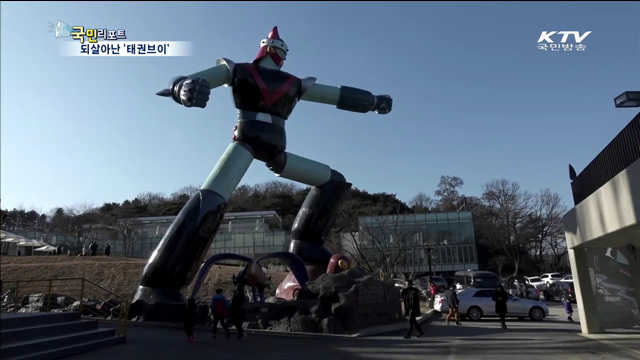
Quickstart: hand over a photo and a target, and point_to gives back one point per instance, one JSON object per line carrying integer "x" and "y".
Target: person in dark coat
{"x": 190, "y": 319}
{"x": 237, "y": 309}
{"x": 453, "y": 304}
{"x": 220, "y": 311}
{"x": 501, "y": 297}
{"x": 411, "y": 297}
{"x": 93, "y": 248}
{"x": 107, "y": 250}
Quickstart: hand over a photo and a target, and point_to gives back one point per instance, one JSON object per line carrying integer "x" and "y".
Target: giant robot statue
{"x": 265, "y": 96}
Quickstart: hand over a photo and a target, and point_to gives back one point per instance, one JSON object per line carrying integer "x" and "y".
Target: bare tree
{"x": 129, "y": 235}
{"x": 557, "y": 249}
{"x": 547, "y": 210}
{"x": 447, "y": 192}
{"x": 507, "y": 219}
{"x": 380, "y": 246}
{"x": 78, "y": 225}
{"x": 277, "y": 187}
{"x": 185, "y": 191}
{"x": 421, "y": 203}
{"x": 499, "y": 262}
{"x": 151, "y": 198}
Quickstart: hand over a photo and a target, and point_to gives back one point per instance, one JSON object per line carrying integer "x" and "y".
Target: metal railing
{"x": 66, "y": 294}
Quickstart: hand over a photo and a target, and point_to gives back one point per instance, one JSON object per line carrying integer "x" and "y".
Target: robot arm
{"x": 219, "y": 75}
{"x": 346, "y": 97}
{"x": 194, "y": 90}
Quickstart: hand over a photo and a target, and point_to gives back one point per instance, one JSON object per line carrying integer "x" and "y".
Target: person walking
{"x": 411, "y": 297}
{"x": 107, "y": 250}
{"x": 501, "y": 297}
{"x": 237, "y": 309}
{"x": 433, "y": 289}
{"x": 568, "y": 308}
{"x": 220, "y": 311}
{"x": 189, "y": 319}
{"x": 453, "y": 304}
{"x": 93, "y": 248}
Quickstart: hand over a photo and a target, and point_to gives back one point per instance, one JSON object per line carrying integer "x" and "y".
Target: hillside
{"x": 119, "y": 275}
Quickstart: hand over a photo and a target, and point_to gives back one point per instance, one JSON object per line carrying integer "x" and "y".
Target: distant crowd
{"x": 91, "y": 250}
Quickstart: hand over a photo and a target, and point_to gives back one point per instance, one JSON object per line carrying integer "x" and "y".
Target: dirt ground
{"x": 116, "y": 274}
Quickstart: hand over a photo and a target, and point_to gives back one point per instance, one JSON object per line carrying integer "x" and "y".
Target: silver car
{"x": 478, "y": 303}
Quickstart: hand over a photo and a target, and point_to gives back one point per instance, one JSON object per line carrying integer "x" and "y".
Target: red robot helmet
{"x": 273, "y": 41}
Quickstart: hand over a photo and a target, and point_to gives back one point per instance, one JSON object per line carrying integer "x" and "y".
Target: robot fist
{"x": 191, "y": 92}
{"x": 384, "y": 103}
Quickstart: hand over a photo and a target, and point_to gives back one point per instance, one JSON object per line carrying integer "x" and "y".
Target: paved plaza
{"x": 552, "y": 338}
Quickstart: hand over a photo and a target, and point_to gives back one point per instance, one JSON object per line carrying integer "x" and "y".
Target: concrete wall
{"x": 614, "y": 209}
{"x": 603, "y": 237}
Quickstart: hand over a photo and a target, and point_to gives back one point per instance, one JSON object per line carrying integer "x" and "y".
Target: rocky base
{"x": 331, "y": 304}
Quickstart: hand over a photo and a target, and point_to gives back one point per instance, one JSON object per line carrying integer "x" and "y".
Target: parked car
{"x": 535, "y": 281}
{"x": 550, "y": 278}
{"x": 534, "y": 294}
{"x": 568, "y": 278}
{"x": 478, "y": 303}
{"x": 476, "y": 279}
{"x": 560, "y": 290}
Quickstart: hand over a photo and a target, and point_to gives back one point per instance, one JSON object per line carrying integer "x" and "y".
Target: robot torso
{"x": 260, "y": 90}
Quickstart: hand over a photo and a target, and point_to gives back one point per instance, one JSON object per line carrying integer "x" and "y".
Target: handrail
{"x": 123, "y": 312}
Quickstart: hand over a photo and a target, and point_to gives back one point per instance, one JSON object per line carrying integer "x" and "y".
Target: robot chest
{"x": 271, "y": 93}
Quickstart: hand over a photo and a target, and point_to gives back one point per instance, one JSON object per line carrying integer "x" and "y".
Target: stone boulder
{"x": 331, "y": 304}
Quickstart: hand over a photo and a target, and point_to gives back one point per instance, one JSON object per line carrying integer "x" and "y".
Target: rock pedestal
{"x": 331, "y": 304}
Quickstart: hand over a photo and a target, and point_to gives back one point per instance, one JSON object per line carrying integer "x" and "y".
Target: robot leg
{"x": 319, "y": 210}
{"x": 178, "y": 256}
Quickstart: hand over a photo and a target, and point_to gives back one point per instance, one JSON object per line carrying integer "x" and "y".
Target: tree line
{"x": 516, "y": 231}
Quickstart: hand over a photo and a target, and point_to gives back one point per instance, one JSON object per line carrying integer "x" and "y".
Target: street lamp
{"x": 627, "y": 99}
{"x": 429, "y": 257}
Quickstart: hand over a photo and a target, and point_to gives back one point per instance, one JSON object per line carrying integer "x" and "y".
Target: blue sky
{"x": 473, "y": 96}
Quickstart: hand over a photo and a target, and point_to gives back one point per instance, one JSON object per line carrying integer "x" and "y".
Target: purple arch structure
{"x": 295, "y": 264}
{"x": 204, "y": 269}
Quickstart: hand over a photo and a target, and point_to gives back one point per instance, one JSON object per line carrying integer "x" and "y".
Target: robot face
{"x": 281, "y": 53}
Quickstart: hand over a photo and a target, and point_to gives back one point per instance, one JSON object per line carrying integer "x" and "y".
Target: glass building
{"x": 446, "y": 240}
{"x": 251, "y": 234}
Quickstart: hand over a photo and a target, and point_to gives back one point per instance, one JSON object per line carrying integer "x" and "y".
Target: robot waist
{"x": 256, "y": 116}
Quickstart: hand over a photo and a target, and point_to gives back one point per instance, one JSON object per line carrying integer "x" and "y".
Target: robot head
{"x": 274, "y": 47}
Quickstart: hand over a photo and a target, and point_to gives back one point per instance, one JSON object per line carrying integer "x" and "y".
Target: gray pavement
{"x": 552, "y": 338}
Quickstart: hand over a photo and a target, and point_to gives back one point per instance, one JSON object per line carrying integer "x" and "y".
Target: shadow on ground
{"x": 482, "y": 340}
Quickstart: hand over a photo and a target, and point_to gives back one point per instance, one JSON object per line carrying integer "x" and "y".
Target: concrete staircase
{"x": 51, "y": 335}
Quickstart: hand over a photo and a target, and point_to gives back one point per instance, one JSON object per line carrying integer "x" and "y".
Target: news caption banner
{"x": 546, "y": 42}
{"x": 103, "y": 42}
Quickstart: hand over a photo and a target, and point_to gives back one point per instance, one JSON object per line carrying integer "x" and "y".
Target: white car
{"x": 568, "y": 278}
{"x": 532, "y": 291}
{"x": 477, "y": 303}
{"x": 550, "y": 278}
{"x": 535, "y": 281}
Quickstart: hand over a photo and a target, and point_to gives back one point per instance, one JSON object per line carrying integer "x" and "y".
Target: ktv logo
{"x": 546, "y": 41}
